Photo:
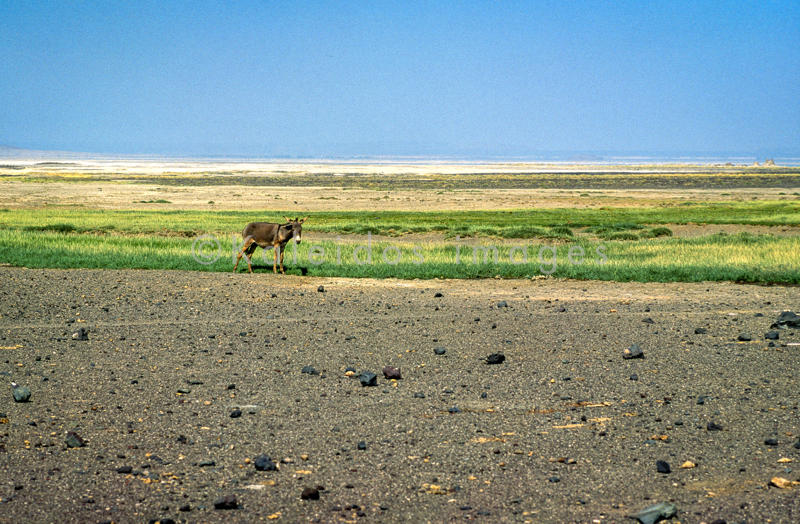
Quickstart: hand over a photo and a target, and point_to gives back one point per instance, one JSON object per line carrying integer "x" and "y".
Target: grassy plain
{"x": 628, "y": 221}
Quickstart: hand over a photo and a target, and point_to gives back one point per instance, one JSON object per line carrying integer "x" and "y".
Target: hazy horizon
{"x": 395, "y": 79}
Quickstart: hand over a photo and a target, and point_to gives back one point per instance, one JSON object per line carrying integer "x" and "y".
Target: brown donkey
{"x": 269, "y": 236}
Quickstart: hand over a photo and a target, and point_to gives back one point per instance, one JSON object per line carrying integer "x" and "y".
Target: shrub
{"x": 621, "y": 235}
{"x": 657, "y": 232}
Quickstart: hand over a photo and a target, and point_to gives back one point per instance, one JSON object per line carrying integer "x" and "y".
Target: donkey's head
{"x": 293, "y": 228}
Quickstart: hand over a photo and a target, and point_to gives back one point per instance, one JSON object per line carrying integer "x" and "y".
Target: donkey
{"x": 268, "y": 236}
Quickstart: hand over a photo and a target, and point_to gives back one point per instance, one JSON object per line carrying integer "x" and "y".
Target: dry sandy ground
{"x": 127, "y": 193}
{"x": 187, "y": 378}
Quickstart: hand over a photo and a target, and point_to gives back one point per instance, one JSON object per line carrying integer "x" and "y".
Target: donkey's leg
{"x": 277, "y": 248}
{"x": 239, "y": 256}
{"x": 282, "y": 262}
{"x": 250, "y": 252}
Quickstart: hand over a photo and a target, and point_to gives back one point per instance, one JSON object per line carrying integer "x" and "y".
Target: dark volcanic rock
{"x": 713, "y": 426}
{"x": 226, "y": 502}
{"x": 73, "y": 440}
{"x": 662, "y": 466}
{"x": 264, "y": 463}
{"x": 236, "y": 413}
{"x": 495, "y": 358}
{"x": 309, "y": 370}
{"x": 700, "y": 331}
{"x": 439, "y": 351}
{"x": 368, "y": 378}
{"x": 21, "y": 394}
{"x": 744, "y": 337}
{"x": 772, "y": 335}
{"x": 310, "y": 494}
{"x": 634, "y": 352}
{"x": 82, "y": 334}
{"x": 787, "y": 319}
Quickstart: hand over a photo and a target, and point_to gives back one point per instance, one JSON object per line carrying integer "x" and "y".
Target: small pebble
{"x": 21, "y": 394}
{"x": 264, "y": 463}
{"x": 226, "y": 502}
{"x": 495, "y": 358}
{"x": 368, "y": 378}
{"x": 310, "y": 493}
{"x": 633, "y": 352}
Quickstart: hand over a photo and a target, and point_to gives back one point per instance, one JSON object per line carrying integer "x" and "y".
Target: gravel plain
{"x": 185, "y": 379}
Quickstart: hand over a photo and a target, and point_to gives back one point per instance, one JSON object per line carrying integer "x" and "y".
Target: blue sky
{"x": 462, "y": 78}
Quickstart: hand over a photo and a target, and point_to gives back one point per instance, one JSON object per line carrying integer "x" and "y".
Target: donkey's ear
{"x": 306, "y": 218}
{"x": 287, "y": 219}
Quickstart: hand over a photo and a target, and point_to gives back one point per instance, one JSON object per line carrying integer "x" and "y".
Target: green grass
{"x": 743, "y": 257}
{"x": 536, "y": 223}
{"x": 636, "y": 245}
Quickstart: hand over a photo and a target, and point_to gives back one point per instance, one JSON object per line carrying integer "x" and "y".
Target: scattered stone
{"x": 663, "y": 466}
{"x": 362, "y": 445}
{"x": 634, "y": 352}
{"x": 73, "y": 440}
{"x": 701, "y": 400}
{"x": 226, "y": 502}
{"x": 797, "y": 445}
{"x": 321, "y": 289}
{"x": 713, "y": 426}
{"x": 744, "y": 337}
{"x": 368, "y": 378}
{"x": 495, "y": 358}
{"x": 82, "y": 334}
{"x": 309, "y": 370}
{"x": 648, "y": 320}
{"x": 391, "y": 372}
{"x": 771, "y": 442}
{"x": 206, "y": 464}
{"x": 349, "y": 372}
{"x": 437, "y": 295}
{"x": 554, "y": 479}
{"x": 310, "y": 493}
{"x": 502, "y": 303}
{"x": 688, "y": 465}
{"x": 439, "y": 351}
{"x": 782, "y": 483}
{"x": 185, "y": 507}
{"x": 419, "y": 394}
{"x": 184, "y": 391}
{"x": 653, "y": 514}
{"x": 124, "y": 469}
{"x": 21, "y": 394}
{"x": 634, "y": 377}
{"x": 454, "y": 409}
{"x": 236, "y": 413}
{"x": 772, "y": 335}
{"x": 264, "y": 463}
{"x": 700, "y": 331}
{"x": 787, "y": 319}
